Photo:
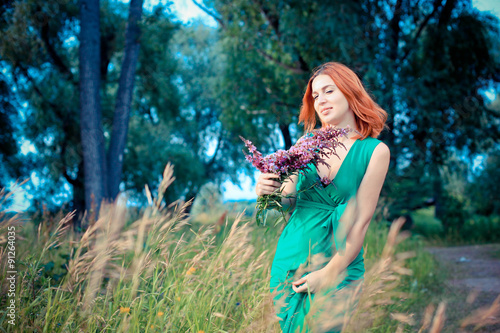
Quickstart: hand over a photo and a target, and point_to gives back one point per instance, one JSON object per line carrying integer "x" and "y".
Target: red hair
{"x": 370, "y": 118}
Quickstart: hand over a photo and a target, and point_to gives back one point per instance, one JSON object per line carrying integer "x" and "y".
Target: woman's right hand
{"x": 267, "y": 184}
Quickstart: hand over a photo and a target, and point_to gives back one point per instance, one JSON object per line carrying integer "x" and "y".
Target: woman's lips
{"x": 325, "y": 110}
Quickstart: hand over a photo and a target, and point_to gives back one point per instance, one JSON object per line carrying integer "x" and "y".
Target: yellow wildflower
{"x": 152, "y": 326}
{"x": 124, "y": 310}
{"x": 191, "y": 271}
{"x": 160, "y": 313}
{"x": 200, "y": 331}
{"x": 178, "y": 299}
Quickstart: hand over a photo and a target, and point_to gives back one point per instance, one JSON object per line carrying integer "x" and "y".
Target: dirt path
{"x": 473, "y": 280}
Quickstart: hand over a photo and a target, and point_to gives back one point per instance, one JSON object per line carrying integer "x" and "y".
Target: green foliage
{"x": 11, "y": 165}
{"x": 41, "y": 55}
{"x": 198, "y": 88}
{"x": 150, "y": 148}
{"x": 480, "y": 228}
{"x": 486, "y": 186}
{"x": 453, "y": 214}
{"x": 156, "y": 96}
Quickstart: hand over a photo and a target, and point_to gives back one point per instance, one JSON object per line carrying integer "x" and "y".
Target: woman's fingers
{"x": 270, "y": 182}
{"x": 301, "y": 289}
{"x": 264, "y": 189}
{"x": 268, "y": 176}
{"x": 300, "y": 281}
{"x": 300, "y": 286}
{"x": 266, "y": 184}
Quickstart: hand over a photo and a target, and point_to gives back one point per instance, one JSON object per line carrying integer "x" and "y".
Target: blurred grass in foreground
{"x": 161, "y": 271}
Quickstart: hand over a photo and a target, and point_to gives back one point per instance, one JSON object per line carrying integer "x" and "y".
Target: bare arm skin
{"x": 366, "y": 202}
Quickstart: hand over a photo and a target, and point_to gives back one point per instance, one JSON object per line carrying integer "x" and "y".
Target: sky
{"x": 492, "y": 6}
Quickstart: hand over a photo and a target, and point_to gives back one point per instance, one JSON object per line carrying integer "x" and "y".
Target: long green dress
{"x": 312, "y": 235}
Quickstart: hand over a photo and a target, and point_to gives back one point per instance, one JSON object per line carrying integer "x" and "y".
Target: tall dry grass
{"x": 161, "y": 273}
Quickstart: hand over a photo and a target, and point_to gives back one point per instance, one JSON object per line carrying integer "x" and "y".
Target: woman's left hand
{"x": 314, "y": 281}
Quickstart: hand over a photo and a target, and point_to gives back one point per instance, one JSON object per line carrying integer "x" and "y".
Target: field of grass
{"x": 164, "y": 271}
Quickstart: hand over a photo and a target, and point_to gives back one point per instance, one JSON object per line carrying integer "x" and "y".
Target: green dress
{"x": 306, "y": 242}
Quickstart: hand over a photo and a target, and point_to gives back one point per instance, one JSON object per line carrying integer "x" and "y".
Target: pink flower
{"x": 311, "y": 148}
{"x": 325, "y": 181}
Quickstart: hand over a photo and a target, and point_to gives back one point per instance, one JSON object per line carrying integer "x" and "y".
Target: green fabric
{"x": 306, "y": 242}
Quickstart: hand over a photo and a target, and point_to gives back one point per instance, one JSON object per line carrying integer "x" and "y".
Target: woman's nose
{"x": 321, "y": 99}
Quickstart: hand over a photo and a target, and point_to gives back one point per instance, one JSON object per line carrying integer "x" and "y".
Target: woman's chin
{"x": 331, "y": 123}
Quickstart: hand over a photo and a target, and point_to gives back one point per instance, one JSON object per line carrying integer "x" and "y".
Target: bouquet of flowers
{"x": 312, "y": 148}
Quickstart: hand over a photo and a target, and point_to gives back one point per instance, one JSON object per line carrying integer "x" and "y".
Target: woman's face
{"x": 329, "y": 102}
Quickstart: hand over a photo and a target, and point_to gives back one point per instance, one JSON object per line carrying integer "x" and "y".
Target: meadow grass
{"x": 164, "y": 271}
{"x": 426, "y": 224}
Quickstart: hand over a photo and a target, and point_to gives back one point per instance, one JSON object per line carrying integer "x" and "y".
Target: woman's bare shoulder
{"x": 380, "y": 158}
{"x": 382, "y": 151}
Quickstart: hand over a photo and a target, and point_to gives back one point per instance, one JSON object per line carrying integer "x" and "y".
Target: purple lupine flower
{"x": 311, "y": 148}
{"x": 325, "y": 181}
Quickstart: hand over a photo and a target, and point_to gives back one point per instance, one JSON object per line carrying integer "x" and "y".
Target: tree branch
{"x": 56, "y": 59}
{"x": 214, "y": 157}
{"x": 70, "y": 180}
{"x": 395, "y": 30}
{"x": 272, "y": 20}
{"x": 210, "y": 13}
{"x": 437, "y": 5}
{"x": 37, "y": 90}
{"x": 66, "y": 129}
{"x": 295, "y": 70}
{"x": 444, "y": 18}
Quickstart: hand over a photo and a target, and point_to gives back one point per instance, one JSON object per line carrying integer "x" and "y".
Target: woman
{"x": 319, "y": 255}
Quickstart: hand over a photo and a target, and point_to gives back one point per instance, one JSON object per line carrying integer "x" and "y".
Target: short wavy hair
{"x": 370, "y": 117}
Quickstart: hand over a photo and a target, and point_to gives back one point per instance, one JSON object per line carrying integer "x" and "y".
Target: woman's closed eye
{"x": 329, "y": 91}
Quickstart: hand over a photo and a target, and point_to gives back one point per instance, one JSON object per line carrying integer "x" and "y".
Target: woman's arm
{"x": 366, "y": 202}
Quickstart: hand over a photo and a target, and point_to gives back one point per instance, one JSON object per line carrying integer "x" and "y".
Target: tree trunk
{"x": 393, "y": 47}
{"x": 287, "y": 138}
{"x": 93, "y": 144}
{"x": 191, "y": 196}
{"x": 437, "y": 187}
{"x": 124, "y": 100}
{"x": 78, "y": 202}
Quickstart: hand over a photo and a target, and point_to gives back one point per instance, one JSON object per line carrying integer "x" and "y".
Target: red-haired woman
{"x": 319, "y": 256}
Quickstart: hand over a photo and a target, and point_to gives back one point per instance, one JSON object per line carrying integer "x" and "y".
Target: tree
{"x": 124, "y": 100}
{"x": 42, "y": 56}
{"x": 10, "y": 165}
{"x": 200, "y": 137}
{"x": 103, "y": 176}
{"x": 486, "y": 185}
{"x": 441, "y": 84}
{"x": 92, "y": 136}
